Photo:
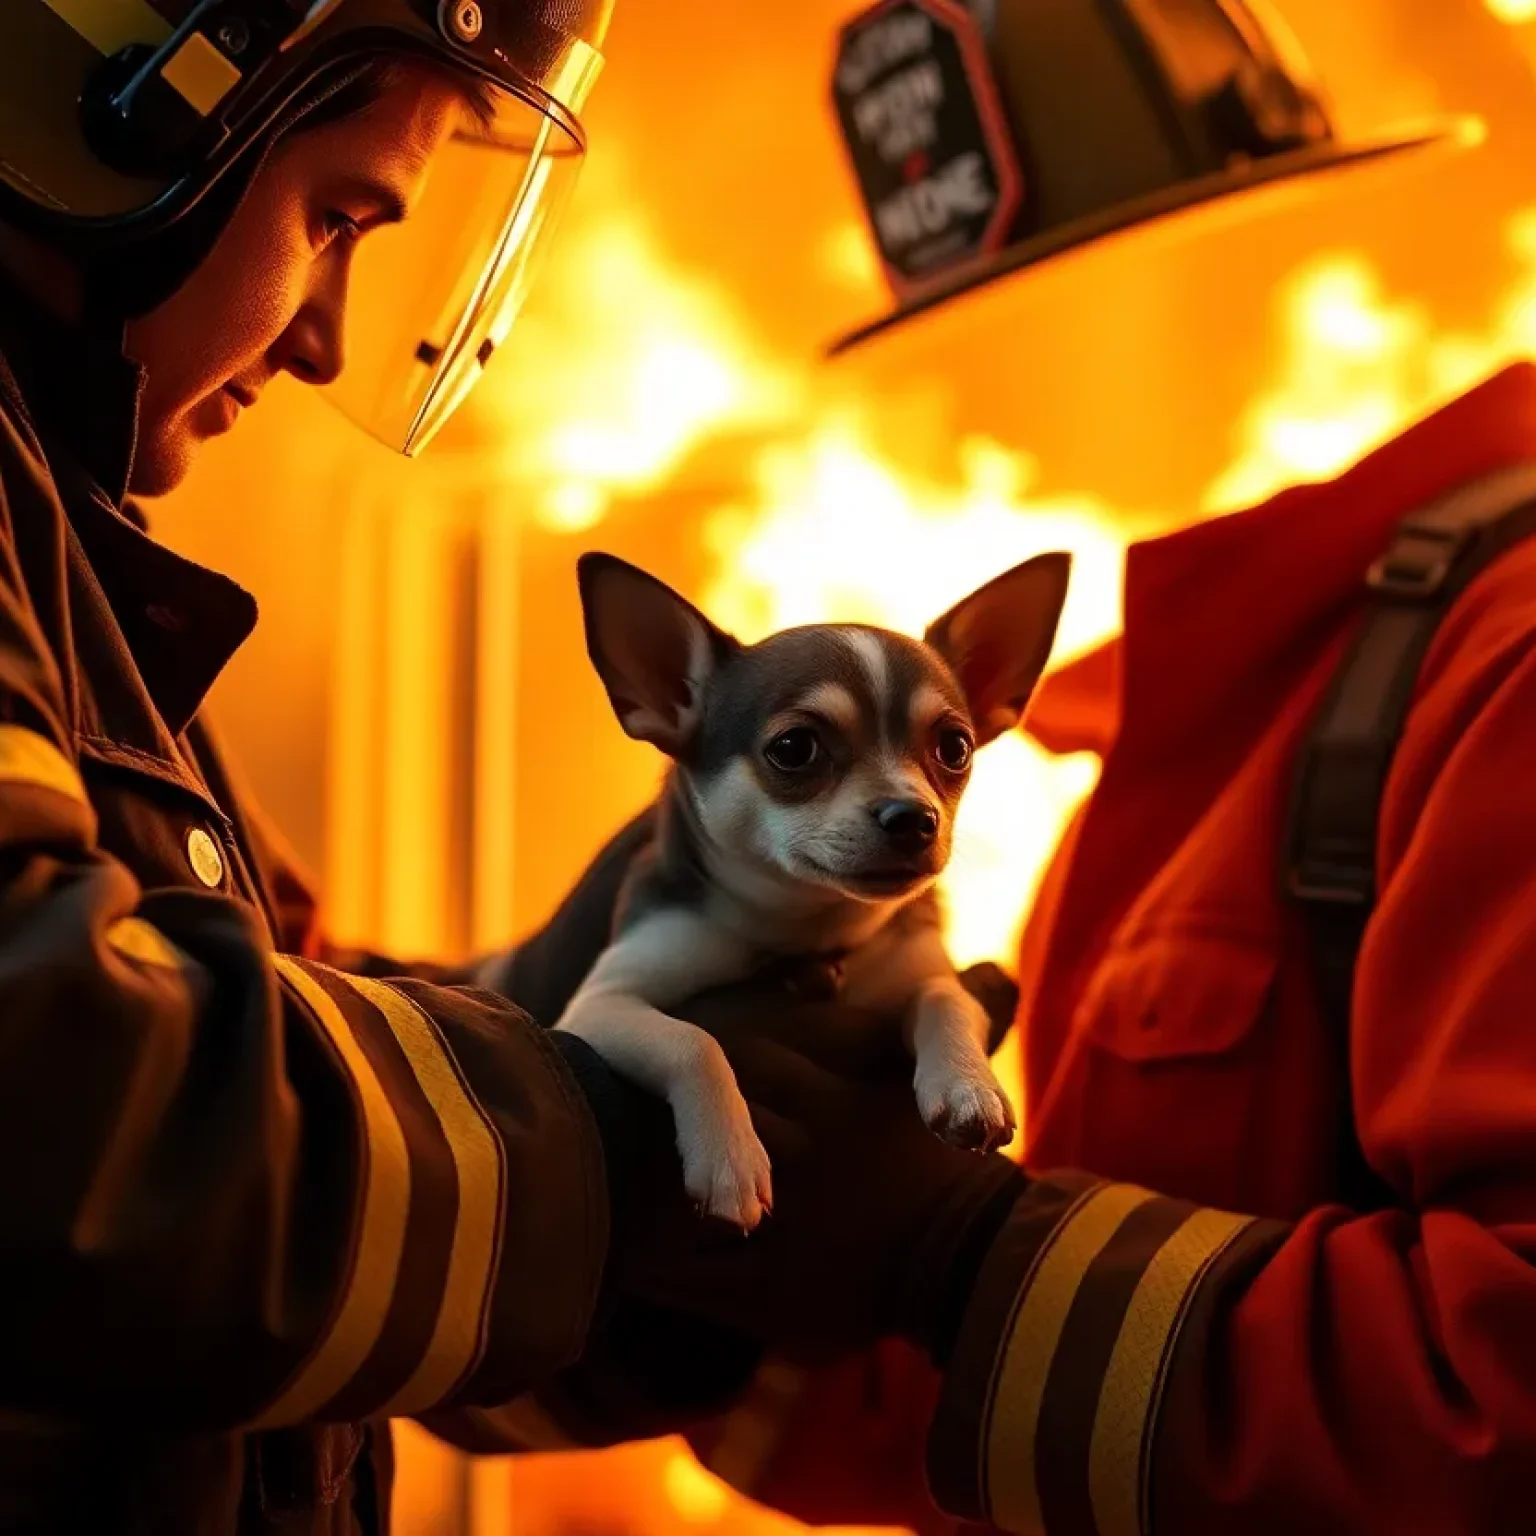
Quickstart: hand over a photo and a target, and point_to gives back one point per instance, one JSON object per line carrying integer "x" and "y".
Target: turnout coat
{"x": 252, "y": 1200}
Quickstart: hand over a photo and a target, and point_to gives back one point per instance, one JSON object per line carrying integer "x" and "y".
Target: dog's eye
{"x": 953, "y": 750}
{"x": 794, "y": 751}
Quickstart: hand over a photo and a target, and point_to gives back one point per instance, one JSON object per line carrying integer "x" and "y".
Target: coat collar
{"x": 182, "y": 622}
{"x": 1216, "y": 613}
{"x": 80, "y": 396}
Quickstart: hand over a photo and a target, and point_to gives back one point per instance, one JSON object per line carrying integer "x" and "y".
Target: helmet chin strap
{"x": 125, "y": 282}
{"x": 129, "y": 281}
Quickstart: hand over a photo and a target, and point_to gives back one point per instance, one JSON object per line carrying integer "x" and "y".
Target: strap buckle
{"x": 1420, "y": 560}
{"x": 1332, "y": 885}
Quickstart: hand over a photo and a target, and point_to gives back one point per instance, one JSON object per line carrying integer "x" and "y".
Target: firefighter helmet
{"x": 128, "y": 126}
{"x": 990, "y": 137}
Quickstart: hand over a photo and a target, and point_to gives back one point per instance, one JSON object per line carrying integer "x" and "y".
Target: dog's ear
{"x": 653, "y": 650}
{"x": 998, "y": 640}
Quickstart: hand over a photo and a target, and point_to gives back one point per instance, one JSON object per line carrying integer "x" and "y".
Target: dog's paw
{"x": 725, "y": 1167}
{"x": 973, "y": 1113}
{"x": 731, "y": 1179}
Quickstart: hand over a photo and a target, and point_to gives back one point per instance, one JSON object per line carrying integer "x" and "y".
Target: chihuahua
{"x": 808, "y": 811}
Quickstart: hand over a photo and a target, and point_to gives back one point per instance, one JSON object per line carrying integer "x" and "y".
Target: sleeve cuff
{"x": 609, "y": 1101}
{"x": 1054, "y": 1388}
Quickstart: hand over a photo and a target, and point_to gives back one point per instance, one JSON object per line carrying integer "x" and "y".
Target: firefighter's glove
{"x": 878, "y": 1227}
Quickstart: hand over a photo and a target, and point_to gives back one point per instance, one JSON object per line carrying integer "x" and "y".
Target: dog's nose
{"x": 909, "y": 823}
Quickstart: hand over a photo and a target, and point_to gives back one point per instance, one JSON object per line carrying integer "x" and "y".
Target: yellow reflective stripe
{"x": 138, "y": 940}
{"x": 459, "y": 1333}
{"x": 197, "y": 70}
{"x": 27, "y": 757}
{"x": 1012, "y": 1495}
{"x": 200, "y": 73}
{"x": 1128, "y": 1398}
{"x": 110, "y": 25}
{"x": 381, "y": 1239}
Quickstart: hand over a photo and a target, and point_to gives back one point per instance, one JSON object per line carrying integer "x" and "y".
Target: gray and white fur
{"x": 809, "y": 811}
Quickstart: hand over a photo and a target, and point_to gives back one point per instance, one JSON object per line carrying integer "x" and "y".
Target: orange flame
{"x": 628, "y": 385}
{"x": 631, "y": 370}
{"x": 1513, "y": 11}
{"x": 1358, "y": 367}
{"x": 632, "y": 366}
{"x": 836, "y": 527}
{"x": 626, "y": 366}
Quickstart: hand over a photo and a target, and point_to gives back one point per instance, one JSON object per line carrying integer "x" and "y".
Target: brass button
{"x": 204, "y": 856}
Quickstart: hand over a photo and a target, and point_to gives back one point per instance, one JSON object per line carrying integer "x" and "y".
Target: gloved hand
{"x": 860, "y": 1184}
{"x": 878, "y": 1227}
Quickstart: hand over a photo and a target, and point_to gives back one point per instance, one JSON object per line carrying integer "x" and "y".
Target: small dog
{"x": 808, "y": 811}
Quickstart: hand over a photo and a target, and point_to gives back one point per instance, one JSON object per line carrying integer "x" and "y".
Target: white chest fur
{"x": 894, "y": 964}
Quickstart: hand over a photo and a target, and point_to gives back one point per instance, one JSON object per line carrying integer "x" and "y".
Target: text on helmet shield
{"x": 918, "y": 108}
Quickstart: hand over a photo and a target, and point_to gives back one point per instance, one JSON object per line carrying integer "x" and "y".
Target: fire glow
{"x": 834, "y": 528}
{"x": 634, "y": 366}
{"x": 1353, "y": 365}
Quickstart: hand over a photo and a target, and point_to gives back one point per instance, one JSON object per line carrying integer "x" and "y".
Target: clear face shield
{"x": 431, "y": 300}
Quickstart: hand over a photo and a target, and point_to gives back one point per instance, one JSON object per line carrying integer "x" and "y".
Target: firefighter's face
{"x": 271, "y": 297}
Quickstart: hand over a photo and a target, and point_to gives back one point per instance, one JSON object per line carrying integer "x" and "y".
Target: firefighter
{"x": 255, "y": 1200}
{"x": 1270, "y": 1263}
{"x": 259, "y": 1197}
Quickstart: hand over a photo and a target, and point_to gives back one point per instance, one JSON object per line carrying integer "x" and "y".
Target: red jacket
{"x": 1195, "y": 1336}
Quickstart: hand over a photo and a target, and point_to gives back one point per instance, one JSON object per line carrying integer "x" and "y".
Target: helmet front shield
{"x": 117, "y": 117}
{"x": 431, "y": 300}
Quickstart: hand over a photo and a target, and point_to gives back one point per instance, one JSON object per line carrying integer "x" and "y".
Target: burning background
{"x": 416, "y": 707}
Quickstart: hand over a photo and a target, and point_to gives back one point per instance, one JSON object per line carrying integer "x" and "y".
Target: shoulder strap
{"x": 1342, "y": 772}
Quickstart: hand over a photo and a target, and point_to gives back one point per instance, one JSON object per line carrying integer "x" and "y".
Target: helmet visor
{"x": 431, "y": 299}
